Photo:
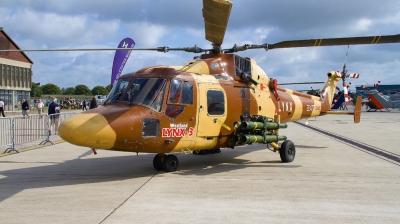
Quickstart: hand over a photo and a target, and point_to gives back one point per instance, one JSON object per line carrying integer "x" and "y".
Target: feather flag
{"x": 120, "y": 59}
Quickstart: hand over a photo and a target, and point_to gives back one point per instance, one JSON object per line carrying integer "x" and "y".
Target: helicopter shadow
{"x": 87, "y": 169}
{"x": 226, "y": 161}
{"x": 81, "y": 170}
{"x": 310, "y": 147}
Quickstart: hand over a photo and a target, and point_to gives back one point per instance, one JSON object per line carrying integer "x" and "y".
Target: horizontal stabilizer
{"x": 356, "y": 113}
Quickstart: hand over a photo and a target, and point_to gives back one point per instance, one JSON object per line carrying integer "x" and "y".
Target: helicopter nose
{"x": 88, "y": 129}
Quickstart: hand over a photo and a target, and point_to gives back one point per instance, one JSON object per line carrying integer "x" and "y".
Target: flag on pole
{"x": 120, "y": 59}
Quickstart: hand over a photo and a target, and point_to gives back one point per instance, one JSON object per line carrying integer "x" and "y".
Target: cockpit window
{"x": 187, "y": 97}
{"x": 180, "y": 92}
{"x": 175, "y": 91}
{"x": 118, "y": 89}
{"x": 147, "y": 92}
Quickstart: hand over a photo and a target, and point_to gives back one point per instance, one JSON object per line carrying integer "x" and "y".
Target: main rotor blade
{"x": 216, "y": 15}
{"x": 194, "y": 49}
{"x": 73, "y": 49}
{"x": 337, "y": 41}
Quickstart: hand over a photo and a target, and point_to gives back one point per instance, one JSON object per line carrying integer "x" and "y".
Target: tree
{"x": 100, "y": 90}
{"x": 50, "y": 89}
{"x": 35, "y": 90}
{"x": 108, "y": 87}
{"x": 82, "y": 90}
{"x": 69, "y": 91}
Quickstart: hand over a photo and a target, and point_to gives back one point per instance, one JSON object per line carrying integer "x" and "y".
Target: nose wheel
{"x": 169, "y": 163}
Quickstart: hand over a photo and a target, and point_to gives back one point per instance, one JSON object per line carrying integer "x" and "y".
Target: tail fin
{"x": 328, "y": 91}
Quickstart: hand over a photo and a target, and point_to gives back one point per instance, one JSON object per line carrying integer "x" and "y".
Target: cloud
{"x": 146, "y": 34}
{"x": 50, "y": 30}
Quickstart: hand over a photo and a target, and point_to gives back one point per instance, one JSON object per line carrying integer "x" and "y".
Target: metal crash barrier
{"x": 19, "y": 130}
{"x": 6, "y": 132}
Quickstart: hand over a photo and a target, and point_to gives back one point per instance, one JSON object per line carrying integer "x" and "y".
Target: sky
{"x": 48, "y": 24}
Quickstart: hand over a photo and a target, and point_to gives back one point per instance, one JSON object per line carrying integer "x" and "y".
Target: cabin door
{"x": 212, "y": 110}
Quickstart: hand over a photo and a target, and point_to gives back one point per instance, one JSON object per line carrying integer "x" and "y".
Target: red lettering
{"x": 175, "y": 132}
{"x": 190, "y": 131}
{"x": 165, "y": 132}
{"x": 170, "y": 132}
{"x": 182, "y": 132}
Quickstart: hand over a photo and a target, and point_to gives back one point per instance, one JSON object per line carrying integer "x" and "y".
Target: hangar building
{"x": 15, "y": 74}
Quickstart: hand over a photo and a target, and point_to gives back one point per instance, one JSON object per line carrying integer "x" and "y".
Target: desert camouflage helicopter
{"x": 217, "y": 100}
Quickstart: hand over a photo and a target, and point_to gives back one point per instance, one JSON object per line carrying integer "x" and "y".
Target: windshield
{"x": 117, "y": 90}
{"x": 147, "y": 92}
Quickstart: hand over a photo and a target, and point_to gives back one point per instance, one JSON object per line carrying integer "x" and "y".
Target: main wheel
{"x": 157, "y": 163}
{"x": 287, "y": 151}
{"x": 170, "y": 163}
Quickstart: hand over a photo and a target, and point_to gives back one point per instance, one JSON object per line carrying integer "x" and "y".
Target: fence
{"x": 19, "y": 130}
{"x": 6, "y": 131}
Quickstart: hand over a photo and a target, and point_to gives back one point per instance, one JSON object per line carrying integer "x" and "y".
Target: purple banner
{"x": 120, "y": 59}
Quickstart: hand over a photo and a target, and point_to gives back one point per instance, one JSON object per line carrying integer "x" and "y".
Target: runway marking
{"x": 130, "y": 196}
{"x": 381, "y": 153}
{"x": 30, "y": 148}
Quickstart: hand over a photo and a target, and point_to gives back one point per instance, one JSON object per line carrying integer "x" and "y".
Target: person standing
{"x": 40, "y": 107}
{"x": 2, "y": 107}
{"x": 93, "y": 103}
{"x": 54, "y": 113}
{"x": 84, "y": 105}
{"x": 25, "y": 108}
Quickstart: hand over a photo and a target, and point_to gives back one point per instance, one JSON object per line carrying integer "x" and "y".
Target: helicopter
{"x": 215, "y": 100}
{"x": 377, "y": 101}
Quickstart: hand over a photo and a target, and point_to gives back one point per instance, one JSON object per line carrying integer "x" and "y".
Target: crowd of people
{"x": 53, "y": 107}
{"x": 53, "y": 111}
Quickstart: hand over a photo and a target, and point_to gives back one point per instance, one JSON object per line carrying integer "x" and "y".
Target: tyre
{"x": 287, "y": 151}
{"x": 170, "y": 163}
{"x": 157, "y": 164}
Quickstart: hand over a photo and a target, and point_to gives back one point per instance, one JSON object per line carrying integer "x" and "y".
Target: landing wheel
{"x": 170, "y": 163}
{"x": 287, "y": 151}
{"x": 157, "y": 162}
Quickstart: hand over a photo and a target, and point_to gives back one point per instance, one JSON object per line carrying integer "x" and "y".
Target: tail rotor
{"x": 344, "y": 75}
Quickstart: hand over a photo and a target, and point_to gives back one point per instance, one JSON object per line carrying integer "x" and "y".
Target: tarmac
{"x": 343, "y": 173}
